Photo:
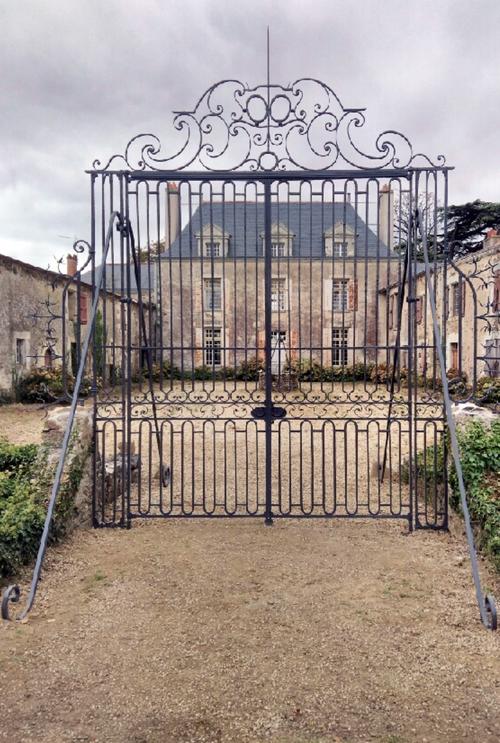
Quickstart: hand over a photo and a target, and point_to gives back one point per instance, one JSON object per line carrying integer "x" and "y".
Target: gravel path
{"x": 303, "y": 632}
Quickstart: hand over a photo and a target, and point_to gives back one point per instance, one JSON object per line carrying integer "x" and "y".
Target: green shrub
{"x": 382, "y": 374}
{"x": 428, "y": 467}
{"x": 250, "y": 370}
{"x": 203, "y": 373}
{"x": 25, "y": 482}
{"x": 46, "y": 385}
{"x": 480, "y": 458}
{"x": 488, "y": 390}
{"x": 16, "y": 457}
{"x": 21, "y": 525}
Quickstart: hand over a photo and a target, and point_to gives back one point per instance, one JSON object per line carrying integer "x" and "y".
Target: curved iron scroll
{"x": 12, "y": 593}
{"x": 269, "y": 127}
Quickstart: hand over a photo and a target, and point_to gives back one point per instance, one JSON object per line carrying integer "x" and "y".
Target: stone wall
{"x": 465, "y": 304}
{"x": 77, "y": 474}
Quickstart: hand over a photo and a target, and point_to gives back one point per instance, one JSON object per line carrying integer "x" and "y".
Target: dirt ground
{"x": 303, "y": 632}
{"x": 22, "y": 424}
{"x": 223, "y": 631}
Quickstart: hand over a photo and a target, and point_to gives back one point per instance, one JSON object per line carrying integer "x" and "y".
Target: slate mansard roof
{"x": 307, "y": 222}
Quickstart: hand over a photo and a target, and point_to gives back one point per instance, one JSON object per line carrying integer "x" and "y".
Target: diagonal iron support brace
{"x": 164, "y": 469}
{"x": 12, "y": 593}
{"x": 397, "y": 353}
{"x": 486, "y": 603}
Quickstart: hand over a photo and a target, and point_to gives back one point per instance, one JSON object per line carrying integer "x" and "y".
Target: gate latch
{"x": 260, "y": 413}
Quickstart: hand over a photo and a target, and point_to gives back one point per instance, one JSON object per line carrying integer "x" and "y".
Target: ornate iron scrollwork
{"x": 269, "y": 127}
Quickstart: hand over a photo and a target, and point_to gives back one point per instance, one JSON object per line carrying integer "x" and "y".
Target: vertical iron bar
{"x": 268, "y": 516}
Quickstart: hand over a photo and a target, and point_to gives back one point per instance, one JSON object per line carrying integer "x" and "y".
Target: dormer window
{"x": 212, "y": 242}
{"x": 281, "y": 241}
{"x": 278, "y": 249}
{"x": 212, "y": 250}
{"x": 339, "y": 241}
{"x": 339, "y": 249}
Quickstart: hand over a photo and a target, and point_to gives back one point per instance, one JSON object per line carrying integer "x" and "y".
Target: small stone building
{"x": 32, "y": 325}
{"x": 467, "y": 293}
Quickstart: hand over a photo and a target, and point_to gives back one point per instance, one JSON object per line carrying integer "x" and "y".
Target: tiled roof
{"x": 116, "y": 277}
{"x": 307, "y": 222}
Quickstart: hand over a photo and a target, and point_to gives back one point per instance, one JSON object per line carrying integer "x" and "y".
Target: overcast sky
{"x": 78, "y": 78}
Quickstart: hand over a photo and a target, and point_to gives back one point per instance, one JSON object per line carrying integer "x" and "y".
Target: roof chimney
{"x": 492, "y": 239}
{"x": 386, "y": 216}
{"x": 71, "y": 264}
{"x": 173, "y": 215}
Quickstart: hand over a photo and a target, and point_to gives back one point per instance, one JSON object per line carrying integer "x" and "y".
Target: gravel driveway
{"x": 303, "y": 632}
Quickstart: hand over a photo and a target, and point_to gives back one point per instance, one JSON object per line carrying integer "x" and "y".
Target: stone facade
{"x": 303, "y": 308}
{"x": 218, "y": 302}
{"x": 467, "y": 304}
{"x": 24, "y": 339}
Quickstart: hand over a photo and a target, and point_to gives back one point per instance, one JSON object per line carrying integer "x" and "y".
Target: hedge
{"x": 480, "y": 458}
{"x": 25, "y": 482}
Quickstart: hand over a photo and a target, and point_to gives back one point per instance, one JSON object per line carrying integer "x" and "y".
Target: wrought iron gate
{"x": 268, "y": 327}
{"x": 264, "y": 351}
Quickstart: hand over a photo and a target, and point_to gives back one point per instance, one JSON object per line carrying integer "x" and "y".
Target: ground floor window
{"x": 213, "y": 347}
{"x": 20, "y": 351}
{"x": 454, "y": 355}
{"x": 339, "y": 346}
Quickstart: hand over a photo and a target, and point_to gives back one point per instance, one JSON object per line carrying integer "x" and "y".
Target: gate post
{"x": 268, "y": 515}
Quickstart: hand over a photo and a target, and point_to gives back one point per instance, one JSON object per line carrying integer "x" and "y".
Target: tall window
{"x": 278, "y": 249}
{"x": 213, "y": 294}
{"x": 339, "y": 346}
{"x": 492, "y": 357}
{"x": 83, "y": 308}
{"x": 212, "y": 249}
{"x": 72, "y": 305}
{"x": 213, "y": 351}
{"x": 457, "y": 299}
{"x": 20, "y": 351}
{"x": 339, "y": 295}
{"x": 278, "y": 295}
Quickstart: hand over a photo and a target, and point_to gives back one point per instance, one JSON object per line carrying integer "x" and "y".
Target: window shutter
{"x": 294, "y": 343}
{"x": 83, "y": 308}
{"x": 353, "y": 294}
{"x": 462, "y": 297}
{"x": 447, "y": 300}
{"x": 496, "y": 293}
